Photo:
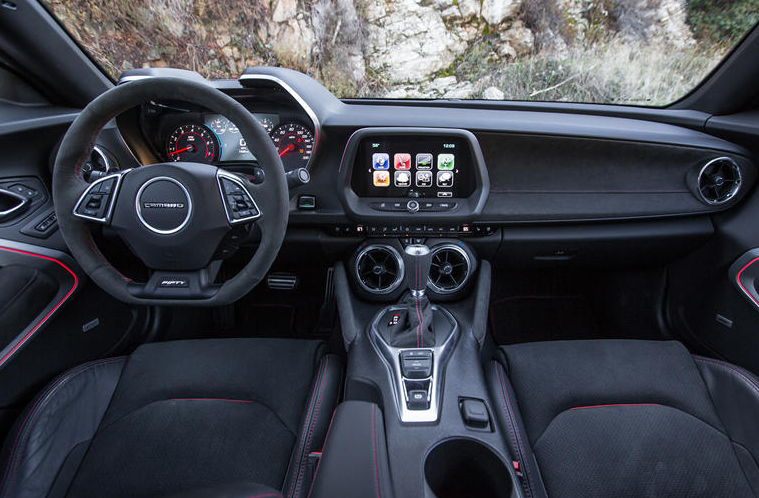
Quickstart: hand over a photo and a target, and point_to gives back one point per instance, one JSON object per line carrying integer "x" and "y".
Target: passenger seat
{"x": 622, "y": 418}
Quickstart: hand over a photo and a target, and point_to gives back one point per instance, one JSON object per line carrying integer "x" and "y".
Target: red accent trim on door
{"x": 50, "y": 313}
{"x": 740, "y": 284}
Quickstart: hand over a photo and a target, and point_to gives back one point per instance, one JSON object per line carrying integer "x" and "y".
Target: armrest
{"x": 354, "y": 460}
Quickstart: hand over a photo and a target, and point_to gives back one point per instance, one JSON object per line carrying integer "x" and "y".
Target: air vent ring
{"x": 451, "y": 269}
{"x": 719, "y": 181}
{"x": 379, "y": 269}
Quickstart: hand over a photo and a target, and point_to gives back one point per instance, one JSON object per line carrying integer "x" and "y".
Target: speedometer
{"x": 295, "y": 144}
{"x": 192, "y": 143}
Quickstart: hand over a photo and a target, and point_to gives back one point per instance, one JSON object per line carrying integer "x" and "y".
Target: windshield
{"x": 602, "y": 51}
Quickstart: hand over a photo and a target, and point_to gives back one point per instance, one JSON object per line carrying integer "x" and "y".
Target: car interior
{"x": 249, "y": 287}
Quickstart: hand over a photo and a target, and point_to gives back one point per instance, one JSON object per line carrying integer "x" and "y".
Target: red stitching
{"x": 742, "y": 374}
{"x": 614, "y": 405}
{"x": 374, "y": 451}
{"x": 302, "y": 467}
{"x": 33, "y": 414}
{"x": 521, "y": 451}
{"x": 326, "y": 437}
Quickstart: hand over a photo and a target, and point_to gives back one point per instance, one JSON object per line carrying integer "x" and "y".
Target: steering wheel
{"x": 173, "y": 216}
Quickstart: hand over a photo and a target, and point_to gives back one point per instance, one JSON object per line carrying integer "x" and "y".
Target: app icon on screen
{"x": 381, "y": 178}
{"x": 424, "y": 178}
{"x": 445, "y": 162}
{"x": 445, "y": 178}
{"x": 402, "y": 178}
{"x": 380, "y": 160}
{"x": 424, "y": 161}
{"x": 402, "y": 161}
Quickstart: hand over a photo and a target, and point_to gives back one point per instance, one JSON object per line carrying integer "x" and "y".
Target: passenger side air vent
{"x": 379, "y": 269}
{"x": 450, "y": 269}
{"x": 719, "y": 180}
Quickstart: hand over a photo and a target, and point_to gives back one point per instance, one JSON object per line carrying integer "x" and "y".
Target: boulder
{"x": 496, "y": 11}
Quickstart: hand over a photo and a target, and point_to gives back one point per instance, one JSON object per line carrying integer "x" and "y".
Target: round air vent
{"x": 450, "y": 269}
{"x": 379, "y": 269}
{"x": 719, "y": 180}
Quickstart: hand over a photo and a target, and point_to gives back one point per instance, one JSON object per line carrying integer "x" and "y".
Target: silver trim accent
{"x": 119, "y": 175}
{"x": 391, "y": 357}
{"x": 139, "y": 208}
{"x": 735, "y": 188}
{"x": 310, "y": 112}
{"x": 220, "y": 173}
{"x": 21, "y": 205}
{"x": 468, "y": 260}
{"x": 99, "y": 151}
{"x": 393, "y": 252}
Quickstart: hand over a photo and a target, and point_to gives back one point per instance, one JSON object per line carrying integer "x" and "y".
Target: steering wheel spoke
{"x": 97, "y": 202}
{"x": 167, "y": 284}
{"x": 239, "y": 205}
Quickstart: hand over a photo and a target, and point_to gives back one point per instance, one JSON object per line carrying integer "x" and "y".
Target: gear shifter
{"x": 417, "y": 328}
{"x": 417, "y": 259}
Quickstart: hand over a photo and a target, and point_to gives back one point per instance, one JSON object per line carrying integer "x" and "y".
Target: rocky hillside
{"x": 638, "y": 51}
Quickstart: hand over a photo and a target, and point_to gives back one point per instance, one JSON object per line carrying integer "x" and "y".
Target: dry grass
{"x": 613, "y": 72}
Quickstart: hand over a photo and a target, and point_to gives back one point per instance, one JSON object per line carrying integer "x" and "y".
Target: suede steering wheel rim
{"x": 271, "y": 198}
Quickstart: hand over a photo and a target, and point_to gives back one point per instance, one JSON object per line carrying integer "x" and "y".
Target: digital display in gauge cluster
{"x": 232, "y": 144}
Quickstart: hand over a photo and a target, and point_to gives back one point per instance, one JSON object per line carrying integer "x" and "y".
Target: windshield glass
{"x": 605, "y": 51}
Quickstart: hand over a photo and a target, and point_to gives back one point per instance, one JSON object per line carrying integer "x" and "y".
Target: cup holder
{"x": 465, "y": 468}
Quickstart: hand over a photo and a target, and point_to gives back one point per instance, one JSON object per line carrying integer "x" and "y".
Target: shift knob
{"x": 417, "y": 259}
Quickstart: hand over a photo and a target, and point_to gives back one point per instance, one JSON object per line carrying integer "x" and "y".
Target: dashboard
{"x": 435, "y": 169}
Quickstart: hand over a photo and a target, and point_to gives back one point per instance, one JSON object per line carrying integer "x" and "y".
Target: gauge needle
{"x": 180, "y": 150}
{"x": 288, "y": 149}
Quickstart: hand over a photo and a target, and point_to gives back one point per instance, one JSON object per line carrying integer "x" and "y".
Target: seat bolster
{"x": 317, "y": 414}
{"x": 66, "y": 414}
{"x": 735, "y": 394}
{"x": 512, "y": 428}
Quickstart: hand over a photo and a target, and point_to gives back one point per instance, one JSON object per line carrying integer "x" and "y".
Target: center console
{"x": 413, "y": 301}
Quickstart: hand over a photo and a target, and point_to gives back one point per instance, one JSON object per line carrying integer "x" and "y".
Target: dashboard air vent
{"x": 450, "y": 269}
{"x": 379, "y": 269}
{"x": 719, "y": 180}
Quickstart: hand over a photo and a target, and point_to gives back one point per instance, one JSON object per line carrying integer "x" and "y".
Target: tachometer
{"x": 295, "y": 144}
{"x": 192, "y": 143}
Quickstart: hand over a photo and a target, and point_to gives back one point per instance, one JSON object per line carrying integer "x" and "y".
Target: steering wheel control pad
{"x": 97, "y": 202}
{"x": 171, "y": 215}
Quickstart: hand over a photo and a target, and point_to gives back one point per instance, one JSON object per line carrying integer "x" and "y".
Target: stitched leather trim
{"x": 747, "y": 377}
{"x": 374, "y": 452}
{"x": 34, "y": 414}
{"x": 308, "y": 428}
{"x": 514, "y": 429}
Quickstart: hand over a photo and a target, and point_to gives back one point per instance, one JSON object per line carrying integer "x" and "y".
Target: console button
{"x": 417, "y": 400}
{"x": 475, "y": 414}
{"x": 412, "y": 206}
{"x": 416, "y": 364}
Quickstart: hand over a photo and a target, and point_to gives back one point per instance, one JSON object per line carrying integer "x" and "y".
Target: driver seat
{"x": 177, "y": 418}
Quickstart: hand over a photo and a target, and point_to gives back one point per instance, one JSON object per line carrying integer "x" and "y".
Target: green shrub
{"x": 722, "y": 21}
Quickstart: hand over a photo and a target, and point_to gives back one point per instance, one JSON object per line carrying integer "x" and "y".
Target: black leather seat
{"x": 627, "y": 419}
{"x": 178, "y": 417}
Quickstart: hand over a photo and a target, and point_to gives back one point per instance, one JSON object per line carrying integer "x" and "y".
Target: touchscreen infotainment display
{"x": 423, "y": 166}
